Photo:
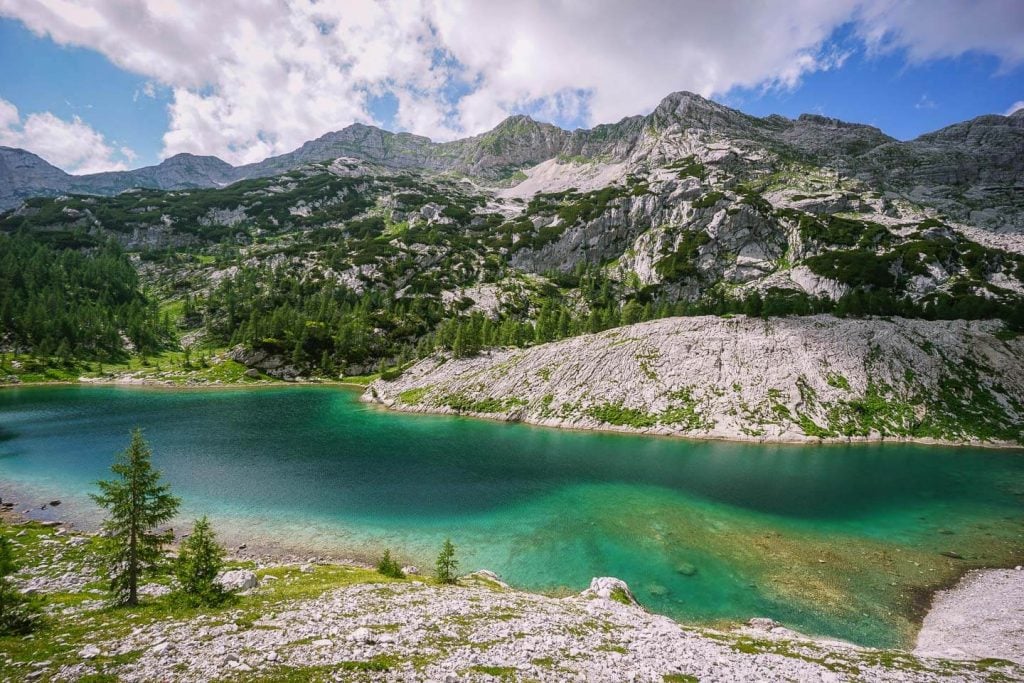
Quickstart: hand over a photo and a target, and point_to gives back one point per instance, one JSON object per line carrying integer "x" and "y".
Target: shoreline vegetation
{"x": 292, "y": 619}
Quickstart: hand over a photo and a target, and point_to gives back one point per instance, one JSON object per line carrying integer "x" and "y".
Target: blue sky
{"x": 93, "y": 90}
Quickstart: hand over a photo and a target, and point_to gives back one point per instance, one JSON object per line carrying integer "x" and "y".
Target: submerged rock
{"x": 686, "y": 569}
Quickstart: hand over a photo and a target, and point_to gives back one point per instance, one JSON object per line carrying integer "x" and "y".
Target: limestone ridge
{"x": 973, "y": 169}
{"x": 787, "y": 379}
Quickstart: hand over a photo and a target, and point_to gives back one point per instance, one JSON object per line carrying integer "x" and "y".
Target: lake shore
{"x": 313, "y": 619}
{"x": 981, "y": 617}
{"x": 364, "y": 386}
{"x": 977, "y": 615}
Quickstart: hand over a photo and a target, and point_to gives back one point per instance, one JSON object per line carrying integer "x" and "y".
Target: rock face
{"x": 785, "y": 379}
{"x": 259, "y": 360}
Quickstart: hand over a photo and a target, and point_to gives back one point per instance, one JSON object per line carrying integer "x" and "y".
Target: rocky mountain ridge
{"x": 972, "y": 169}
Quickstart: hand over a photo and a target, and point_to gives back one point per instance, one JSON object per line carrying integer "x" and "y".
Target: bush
{"x": 199, "y": 562}
{"x": 388, "y": 566}
{"x": 18, "y": 614}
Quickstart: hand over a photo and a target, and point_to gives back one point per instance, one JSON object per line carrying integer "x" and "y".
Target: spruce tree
{"x": 447, "y": 565}
{"x": 388, "y": 566}
{"x": 136, "y": 503}
{"x": 199, "y": 562}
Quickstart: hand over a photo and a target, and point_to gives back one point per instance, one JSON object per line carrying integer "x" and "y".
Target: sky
{"x": 95, "y": 85}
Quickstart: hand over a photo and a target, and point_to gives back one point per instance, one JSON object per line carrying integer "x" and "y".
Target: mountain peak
{"x": 187, "y": 158}
{"x": 515, "y": 119}
{"x": 683, "y": 101}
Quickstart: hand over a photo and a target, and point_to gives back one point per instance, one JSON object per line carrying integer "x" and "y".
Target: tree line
{"x": 74, "y": 304}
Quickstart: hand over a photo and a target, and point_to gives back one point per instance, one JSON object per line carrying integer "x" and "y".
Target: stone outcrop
{"x": 784, "y": 379}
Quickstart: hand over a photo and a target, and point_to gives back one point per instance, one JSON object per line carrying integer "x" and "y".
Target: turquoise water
{"x": 842, "y": 541}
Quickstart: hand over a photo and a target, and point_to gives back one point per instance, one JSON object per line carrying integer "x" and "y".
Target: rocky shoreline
{"x": 816, "y": 379}
{"x": 369, "y": 628}
{"x": 981, "y": 617}
{"x": 322, "y": 620}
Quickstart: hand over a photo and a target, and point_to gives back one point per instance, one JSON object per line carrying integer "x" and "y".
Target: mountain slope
{"x": 791, "y": 379}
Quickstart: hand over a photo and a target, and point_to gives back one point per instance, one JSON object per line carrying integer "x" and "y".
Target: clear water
{"x": 843, "y": 541}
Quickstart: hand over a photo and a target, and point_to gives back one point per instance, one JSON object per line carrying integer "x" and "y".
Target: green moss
{"x": 679, "y": 678}
{"x": 620, "y": 595}
{"x": 811, "y": 428}
{"x": 688, "y": 167}
{"x": 683, "y": 411}
{"x": 681, "y": 264}
{"x": 379, "y": 663}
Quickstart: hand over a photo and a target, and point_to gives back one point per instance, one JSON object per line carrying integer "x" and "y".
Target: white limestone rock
{"x": 238, "y": 580}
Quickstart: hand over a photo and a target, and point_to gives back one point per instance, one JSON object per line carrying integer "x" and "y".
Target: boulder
{"x": 410, "y": 570}
{"x": 237, "y": 580}
{"x": 89, "y": 652}
{"x": 362, "y": 635}
{"x": 610, "y": 588}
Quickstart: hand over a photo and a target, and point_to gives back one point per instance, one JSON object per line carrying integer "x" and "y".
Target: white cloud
{"x": 71, "y": 145}
{"x": 251, "y": 78}
{"x": 933, "y": 29}
{"x": 924, "y": 102}
{"x": 1013, "y": 107}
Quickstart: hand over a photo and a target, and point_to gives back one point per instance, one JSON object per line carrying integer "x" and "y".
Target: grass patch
{"x": 505, "y": 672}
{"x": 411, "y": 397}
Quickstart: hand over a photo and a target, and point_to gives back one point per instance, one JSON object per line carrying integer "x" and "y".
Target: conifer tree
{"x": 136, "y": 503}
{"x": 388, "y": 566}
{"x": 199, "y": 562}
{"x": 447, "y": 565}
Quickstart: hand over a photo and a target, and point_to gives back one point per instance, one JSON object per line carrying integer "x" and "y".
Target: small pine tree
{"x": 447, "y": 565}
{"x": 389, "y": 567}
{"x": 137, "y": 503}
{"x": 18, "y": 614}
{"x": 200, "y": 560}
